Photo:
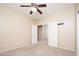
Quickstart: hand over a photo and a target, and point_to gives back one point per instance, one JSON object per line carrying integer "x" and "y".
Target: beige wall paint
{"x": 68, "y": 17}
{"x": 15, "y": 29}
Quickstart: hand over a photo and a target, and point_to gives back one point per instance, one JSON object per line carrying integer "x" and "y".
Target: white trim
{"x": 78, "y": 34}
{"x": 34, "y": 34}
{"x": 14, "y": 48}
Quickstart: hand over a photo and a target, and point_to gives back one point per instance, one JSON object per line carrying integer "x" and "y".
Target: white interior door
{"x": 78, "y": 34}
{"x": 52, "y": 34}
{"x": 34, "y": 34}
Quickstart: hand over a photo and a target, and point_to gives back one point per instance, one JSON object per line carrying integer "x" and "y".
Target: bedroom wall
{"x": 15, "y": 29}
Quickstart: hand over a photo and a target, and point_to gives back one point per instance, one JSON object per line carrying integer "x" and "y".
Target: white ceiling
{"x": 47, "y": 11}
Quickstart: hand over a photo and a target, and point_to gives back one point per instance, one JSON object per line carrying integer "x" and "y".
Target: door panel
{"x": 52, "y": 34}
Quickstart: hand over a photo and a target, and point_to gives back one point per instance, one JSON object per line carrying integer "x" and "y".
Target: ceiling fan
{"x": 34, "y": 7}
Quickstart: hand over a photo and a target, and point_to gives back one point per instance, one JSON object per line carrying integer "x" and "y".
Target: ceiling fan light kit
{"x": 33, "y": 9}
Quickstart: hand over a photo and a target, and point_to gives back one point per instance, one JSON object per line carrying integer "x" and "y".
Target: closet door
{"x": 52, "y": 34}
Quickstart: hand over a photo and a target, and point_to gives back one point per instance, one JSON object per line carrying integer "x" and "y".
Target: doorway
{"x": 43, "y": 33}
{"x": 40, "y": 32}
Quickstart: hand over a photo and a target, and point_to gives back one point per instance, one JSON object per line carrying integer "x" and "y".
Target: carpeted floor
{"x": 40, "y": 49}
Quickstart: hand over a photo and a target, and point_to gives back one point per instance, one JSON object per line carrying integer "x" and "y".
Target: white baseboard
{"x": 72, "y": 50}
{"x": 13, "y": 49}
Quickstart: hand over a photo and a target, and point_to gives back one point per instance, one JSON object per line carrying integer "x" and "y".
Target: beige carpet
{"x": 40, "y": 49}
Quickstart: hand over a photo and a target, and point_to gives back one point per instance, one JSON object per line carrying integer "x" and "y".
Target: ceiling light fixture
{"x": 33, "y": 9}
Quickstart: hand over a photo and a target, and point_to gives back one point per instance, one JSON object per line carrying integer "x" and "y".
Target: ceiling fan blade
{"x": 39, "y": 11}
{"x": 25, "y": 6}
{"x": 42, "y": 5}
{"x": 31, "y": 12}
